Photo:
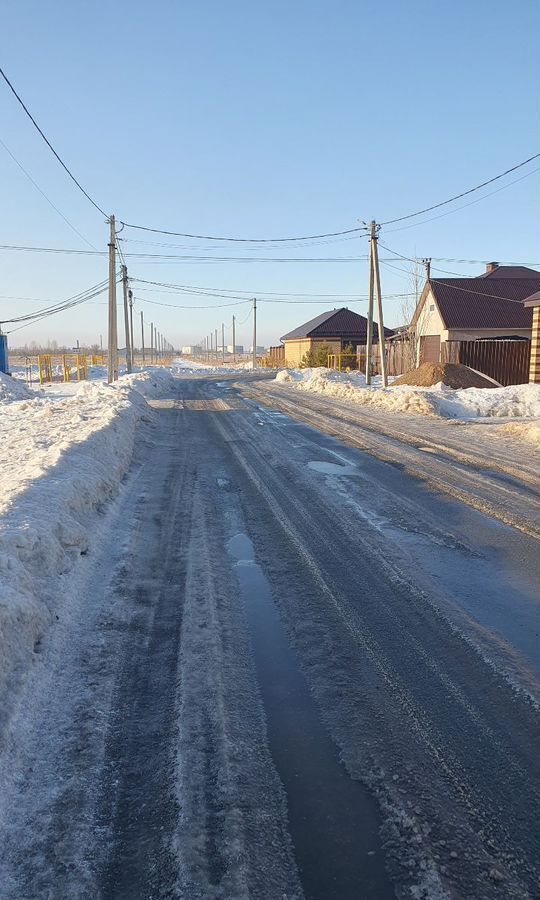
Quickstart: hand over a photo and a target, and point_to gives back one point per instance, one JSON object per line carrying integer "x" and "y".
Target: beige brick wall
{"x": 534, "y": 371}
{"x": 295, "y": 350}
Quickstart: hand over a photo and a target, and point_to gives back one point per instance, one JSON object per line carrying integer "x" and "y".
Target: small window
{"x": 432, "y": 307}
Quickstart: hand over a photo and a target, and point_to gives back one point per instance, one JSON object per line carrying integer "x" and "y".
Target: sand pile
{"x": 454, "y": 375}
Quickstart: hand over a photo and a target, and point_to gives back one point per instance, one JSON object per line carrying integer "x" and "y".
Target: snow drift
{"x": 61, "y": 461}
{"x": 521, "y": 401}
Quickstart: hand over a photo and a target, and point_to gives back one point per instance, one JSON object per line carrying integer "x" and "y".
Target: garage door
{"x": 430, "y": 348}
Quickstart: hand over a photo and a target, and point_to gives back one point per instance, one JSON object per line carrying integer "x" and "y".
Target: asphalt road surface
{"x": 289, "y": 668}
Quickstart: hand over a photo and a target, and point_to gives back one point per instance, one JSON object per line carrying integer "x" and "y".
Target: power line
{"x": 43, "y": 194}
{"x": 70, "y": 303}
{"x": 239, "y": 290}
{"x": 236, "y": 240}
{"x": 463, "y": 193}
{"x": 464, "y": 206}
{"x": 416, "y": 261}
{"x": 50, "y": 146}
{"x": 180, "y": 306}
{"x": 458, "y": 287}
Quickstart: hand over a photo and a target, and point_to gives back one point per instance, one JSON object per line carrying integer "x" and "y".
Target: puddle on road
{"x": 333, "y": 820}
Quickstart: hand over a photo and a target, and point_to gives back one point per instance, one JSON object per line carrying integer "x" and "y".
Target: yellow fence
{"x": 343, "y": 362}
{"x": 66, "y": 367}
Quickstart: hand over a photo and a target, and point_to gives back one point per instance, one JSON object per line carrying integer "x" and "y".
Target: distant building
{"x": 336, "y": 329}
{"x": 191, "y": 350}
{"x": 258, "y": 349}
{"x": 238, "y": 348}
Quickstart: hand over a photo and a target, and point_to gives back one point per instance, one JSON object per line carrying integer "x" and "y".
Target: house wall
{"x": 429, "y": 323}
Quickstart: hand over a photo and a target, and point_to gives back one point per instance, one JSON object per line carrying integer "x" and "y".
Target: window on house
{"x": 432, "y": 307}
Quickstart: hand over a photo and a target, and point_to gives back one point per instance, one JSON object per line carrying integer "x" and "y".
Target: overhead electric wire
{"x": 237, "y": 240}
{"x": 240, "y": 291}
{"x": 181, "y": 306}
{"x": 464, "y": 206}
{"x": 50, "y": 146}
{"x": 44, "y": 195}
{"x": 463, "y": 193}
{"x": 416, "y": 261}
{"x": 60, "y": 305}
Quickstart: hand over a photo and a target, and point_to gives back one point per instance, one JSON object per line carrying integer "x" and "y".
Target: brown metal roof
{"x": 337, "y": 323}
{"x": 485, "y": 302}
{"x": 510, "y": 272}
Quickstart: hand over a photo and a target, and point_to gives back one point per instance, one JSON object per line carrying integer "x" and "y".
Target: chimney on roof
{"x": 491, "y": 266}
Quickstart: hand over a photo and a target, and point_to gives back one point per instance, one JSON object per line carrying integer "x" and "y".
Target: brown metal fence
{"x": 505, "y": 361}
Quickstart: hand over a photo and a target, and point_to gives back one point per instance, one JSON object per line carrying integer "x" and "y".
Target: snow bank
{"x": 61, "y": 461}
{"x": 151, "y": 382}
{"x": 352, "y": 387}
{"x": 520, "y": 401}
{"x": 12, "y": 388}
{"x": 515, "y": 401}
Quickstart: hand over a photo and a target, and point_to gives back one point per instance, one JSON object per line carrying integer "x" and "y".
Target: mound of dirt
{"x": 454, "y": 375}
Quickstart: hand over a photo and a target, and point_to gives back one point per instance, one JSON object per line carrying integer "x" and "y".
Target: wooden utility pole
{"x": 130, "y": 298}
{"x": 223, "y": 342}
{"x": 142, "y": 337}
{"x": 129, "y": 367}
{"x": 234, "y": 339}
{"x": 216, "y": 345}
{"x": 369, "y": 335}
{"x": 254, "y": 332}
{"x": 151, "y": 343}
{"x": 427, "y": 263}
{"x": 112, "y": 355}
{"x": 375, "y": 257}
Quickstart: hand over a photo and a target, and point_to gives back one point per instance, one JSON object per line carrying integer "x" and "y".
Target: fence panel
{"x": 505, "y": 361}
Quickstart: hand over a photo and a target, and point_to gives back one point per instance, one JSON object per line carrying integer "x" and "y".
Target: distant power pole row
{"x": 159, "y": 346}
{"x": 212, "y": 351}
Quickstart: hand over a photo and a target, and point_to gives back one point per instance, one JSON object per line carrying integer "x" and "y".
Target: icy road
{"x": 291, "y": 666}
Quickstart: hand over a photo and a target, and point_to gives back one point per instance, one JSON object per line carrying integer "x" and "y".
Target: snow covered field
{"x": 519, "y": 403}
{"x": 63, "y": 452}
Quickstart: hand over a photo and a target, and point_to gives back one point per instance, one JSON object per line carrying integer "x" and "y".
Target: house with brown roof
{"x": 469, "y": 309}
{"x": 337, "y": 328}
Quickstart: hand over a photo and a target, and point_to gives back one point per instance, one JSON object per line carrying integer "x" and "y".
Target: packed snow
{"x": 520, "y": 401}
{"x": 62, "y": 459}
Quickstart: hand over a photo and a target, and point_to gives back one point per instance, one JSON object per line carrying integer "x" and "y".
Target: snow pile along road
{"x": 61, "y": 460}
{"x": 12, "y": 389}
{"x": 520, "y": 401}
{"x": 352, "y": 387}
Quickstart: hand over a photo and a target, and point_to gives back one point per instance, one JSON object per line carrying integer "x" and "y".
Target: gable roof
{"x": 337, "y": 323}
{"x": 511, "y": 272}
{"x": 485, "y": 302}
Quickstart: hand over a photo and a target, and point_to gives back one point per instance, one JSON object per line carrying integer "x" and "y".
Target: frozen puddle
{"x": 333, "y": 821}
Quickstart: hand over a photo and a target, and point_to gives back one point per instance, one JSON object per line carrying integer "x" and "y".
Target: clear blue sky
{"x": 257, "y": 120}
